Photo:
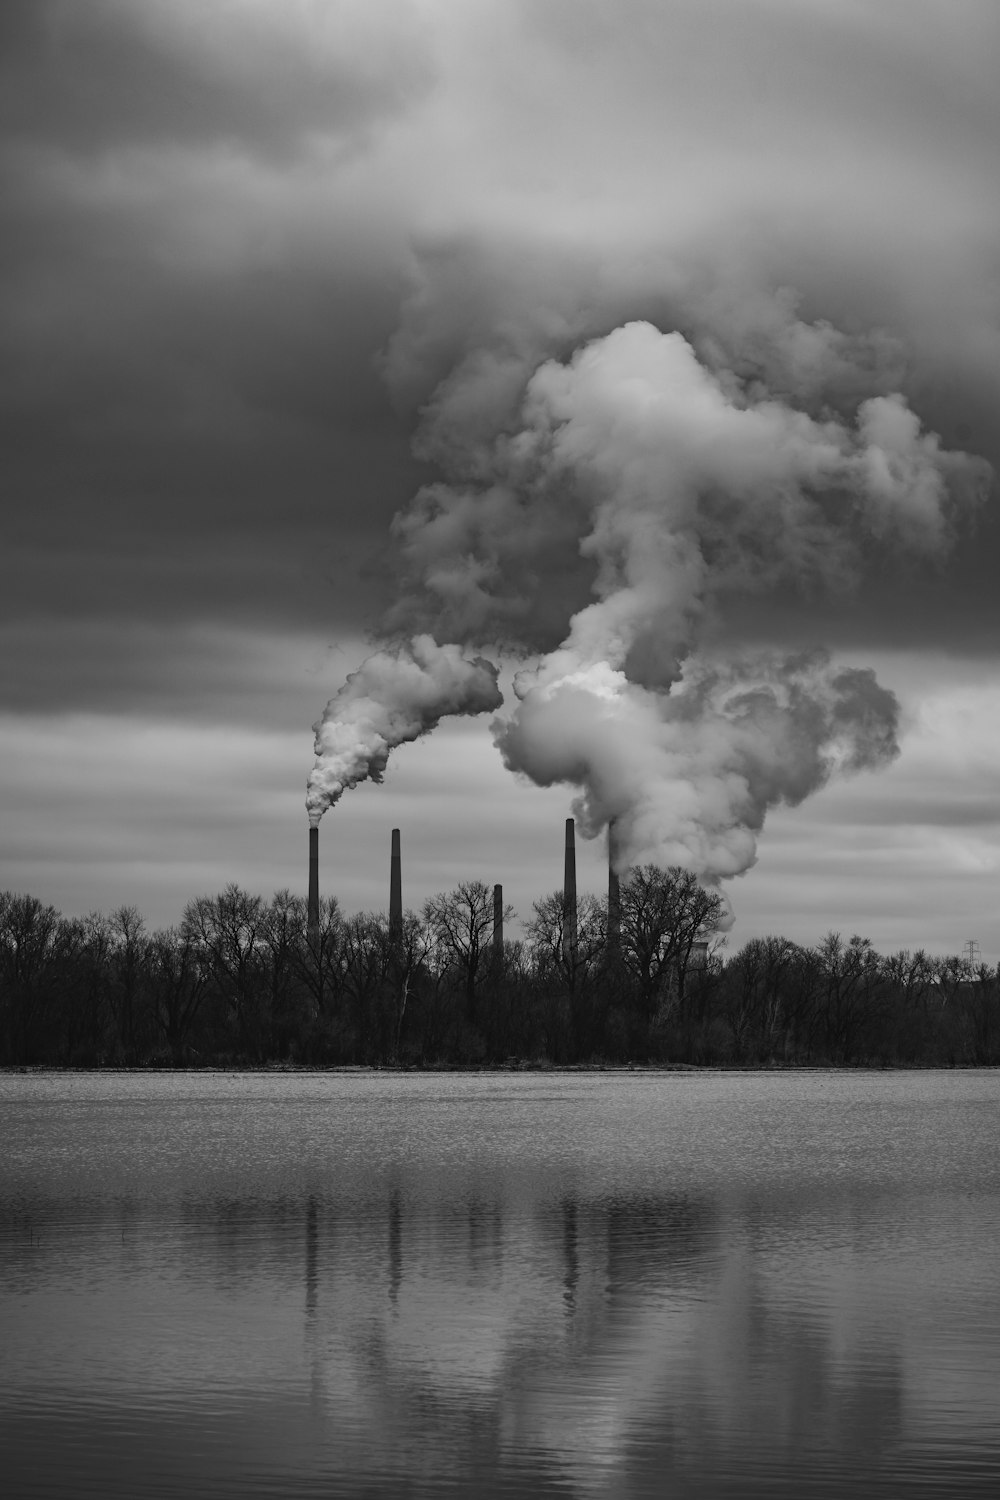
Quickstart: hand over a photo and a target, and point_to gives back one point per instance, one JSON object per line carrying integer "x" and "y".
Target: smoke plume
{"x": 394, "y": 696}
{"x": 608, "y": 522}
{"x": 688, "y": 775}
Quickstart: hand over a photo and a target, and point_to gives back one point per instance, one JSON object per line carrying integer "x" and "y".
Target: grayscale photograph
{"x": 499, "y": 749}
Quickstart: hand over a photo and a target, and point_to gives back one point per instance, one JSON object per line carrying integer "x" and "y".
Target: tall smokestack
{"x": 395, "y": 888}
{"x": 313, "y": 905}
{"x": 569, "y": 894}
{"x": 614, "y": 899}
{"x": 497, "y": 923}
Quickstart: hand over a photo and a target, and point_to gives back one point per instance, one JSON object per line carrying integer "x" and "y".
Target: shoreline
{"x": 504, "y": 1069}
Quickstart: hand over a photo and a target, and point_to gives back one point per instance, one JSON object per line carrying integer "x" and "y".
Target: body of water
{"x": 593, "y": 1284}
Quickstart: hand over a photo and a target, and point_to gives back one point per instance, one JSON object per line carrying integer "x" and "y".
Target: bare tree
{"x": 230, "y": 932}
{"x": 461, "y": 926}
{"x": 980, "y": 1000}
{"x": 663, "y": 914}
{"x": 572, "y": 969}
{"x": 850, "y": 977}
{"x": 29, "y": 937}
{"x": 178, "y": 977}
{"x": 378, "y": 967}
{"x": 318, "y": 953}
{"x": 411, "y": 949}
{"x": 127, "y": 969}
{"x": 87, "y": 1020}
{"x": 754, "y": 996}
{"x": 913, "y": 975}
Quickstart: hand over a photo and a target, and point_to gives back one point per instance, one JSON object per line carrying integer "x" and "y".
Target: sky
{"x": 276, "y": 274}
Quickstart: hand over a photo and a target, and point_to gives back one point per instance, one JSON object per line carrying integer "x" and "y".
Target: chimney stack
{"x": 395, "y": 888}
{"x": 313, "y": 903}
{"x": 569, "y": 894}
{"x": 614, "y": 898}
{"x": 498, "y": 923}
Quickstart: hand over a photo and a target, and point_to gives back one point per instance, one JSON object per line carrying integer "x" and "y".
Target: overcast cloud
{"x": 269, "y": 269}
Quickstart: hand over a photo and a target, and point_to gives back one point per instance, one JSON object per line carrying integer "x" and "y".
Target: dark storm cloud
{"x": 81, "y": 79}
{"x": 480, "y": 318}
{"x": 206, "y": 673}
{"x": 190, "y": 412}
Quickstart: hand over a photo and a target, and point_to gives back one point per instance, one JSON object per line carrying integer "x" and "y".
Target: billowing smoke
{"x": 394, "y": 696}
{"x": 688, "y": 774}
{"x": 678, "y": 487}
{"x": 612, "y": 519}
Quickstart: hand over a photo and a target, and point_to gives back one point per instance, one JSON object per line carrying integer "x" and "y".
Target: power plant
{"x": 570, "y": 933}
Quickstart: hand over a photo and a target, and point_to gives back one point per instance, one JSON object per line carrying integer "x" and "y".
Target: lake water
{"x": 594, "y": 1284}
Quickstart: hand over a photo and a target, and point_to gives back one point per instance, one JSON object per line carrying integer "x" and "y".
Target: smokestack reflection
{"x": 312, "y": 1246}
{"x": 395, "y": 1246}
{"x": 571, "y": 1252}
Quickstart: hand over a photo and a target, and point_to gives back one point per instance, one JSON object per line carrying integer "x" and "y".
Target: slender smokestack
{"x": 497, "y": 923}
{"x": 569, "y": 894}
{"x": 614, "y": 898}
{"x": 395, "y": 888}
{"x": 313, "y": 906}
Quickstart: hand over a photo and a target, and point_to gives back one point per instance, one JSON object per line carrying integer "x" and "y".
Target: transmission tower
{"x": 972, "y": 954}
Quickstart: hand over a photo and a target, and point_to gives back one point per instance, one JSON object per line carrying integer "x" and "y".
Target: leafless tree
{"x": 754, "y": 995}
{"x": 663, "y": 914}
{"x": 850, "y": 978}
{"x": 318, "y": 953}
{"x": 29, "y": 938}
{"x": 127, "y": 971}
{"x": 230, "y": 931}
{"x": 569, "y": 970}
{"x": 461, "y": 926}
{"x": 178, "y": 979}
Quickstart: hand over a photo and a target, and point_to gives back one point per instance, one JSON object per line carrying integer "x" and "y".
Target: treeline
{"x": 247, "y": 981}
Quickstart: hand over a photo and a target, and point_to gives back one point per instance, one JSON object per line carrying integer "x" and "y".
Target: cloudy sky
{"x": 261, "y": 261}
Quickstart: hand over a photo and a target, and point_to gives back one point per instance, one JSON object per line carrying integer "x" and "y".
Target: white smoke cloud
{"x": 680, "y": 485}
{"x": 687, "y": 775}
{"x": 668, "y": 486}
{"x": 395, "y": 696}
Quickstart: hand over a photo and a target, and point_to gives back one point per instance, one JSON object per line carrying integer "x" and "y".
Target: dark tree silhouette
{"x": 247, "y": 979}
{"x": 317, "y": 956}
{"x": 178, "y": 979}
{"x": 29, "y": 942}
{"x": 128, "y": 970}
{"x": 754, "y": 1001}
{"x": 663, "y": 914}
{"x": 571, "y": 974}
{"x": 850, "y": 976}
{"x": 461, "y": 926}
{"x": 230, "y": 932}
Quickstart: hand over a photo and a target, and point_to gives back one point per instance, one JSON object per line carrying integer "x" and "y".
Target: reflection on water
{"x": 578, "y": 1285}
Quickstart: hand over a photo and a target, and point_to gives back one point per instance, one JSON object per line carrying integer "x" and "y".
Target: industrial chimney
{"x": 395, "y": 889}
{"x": 569, "y": 895}
{"x": 498, "y": 924}
{"x": 313, "y": 903}
{"x": 614, "y": 899}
